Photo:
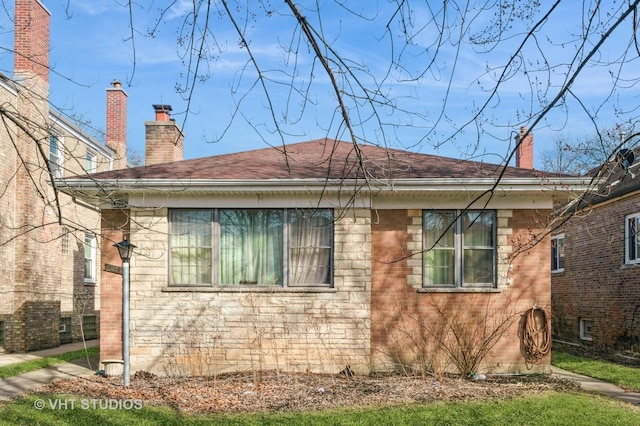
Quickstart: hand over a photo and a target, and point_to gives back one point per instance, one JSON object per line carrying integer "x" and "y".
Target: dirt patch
{"x": 271, "y": 392}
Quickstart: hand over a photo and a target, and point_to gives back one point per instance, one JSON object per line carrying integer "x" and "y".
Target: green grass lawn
{"x": 36, "y": 364}
{"x": 625, "y": 377}
{"x": 548, "y": 408}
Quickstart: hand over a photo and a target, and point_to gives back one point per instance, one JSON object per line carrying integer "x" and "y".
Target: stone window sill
{"x": 459, "y": 290}
{"x": 247, "y": 289}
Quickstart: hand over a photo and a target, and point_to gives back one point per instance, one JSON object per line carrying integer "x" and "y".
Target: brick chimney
{"x": 117, "y": 123}
{"x": 524, "y": 149}
{"x": 35, "y": 272}
{"x": 31, "y": 40}
{"x": 164, "y": 139}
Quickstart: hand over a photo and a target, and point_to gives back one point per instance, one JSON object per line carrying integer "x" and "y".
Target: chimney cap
{"x": 116, "y": 83}
{"x": 160, "y": 108}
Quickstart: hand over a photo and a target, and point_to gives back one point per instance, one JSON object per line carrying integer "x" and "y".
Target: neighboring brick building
{"x": 596, "y": 265}
{"x": 295, "y": 258}
{"x": 49, "y": 251}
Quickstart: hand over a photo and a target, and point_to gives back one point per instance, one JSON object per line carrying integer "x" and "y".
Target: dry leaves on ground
{"x": 269, "y": 391}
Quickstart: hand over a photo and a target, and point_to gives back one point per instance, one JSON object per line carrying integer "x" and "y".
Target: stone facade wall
{"x": 410, "y": 324}
{"x": 208, "y": 332}
{"x": 596, "y": 283}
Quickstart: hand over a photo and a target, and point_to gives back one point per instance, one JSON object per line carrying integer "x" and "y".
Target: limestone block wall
{"x": 212, "y": 330}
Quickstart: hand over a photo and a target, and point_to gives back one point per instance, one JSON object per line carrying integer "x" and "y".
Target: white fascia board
{"x": 383, "y": 202}
{"x": 322, "y": 185}
{"x": 276, "y": 193}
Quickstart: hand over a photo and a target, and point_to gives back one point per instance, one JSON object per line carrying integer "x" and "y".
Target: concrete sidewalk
{"x": 15, "y": 386}
{"x": 598, "y": 386}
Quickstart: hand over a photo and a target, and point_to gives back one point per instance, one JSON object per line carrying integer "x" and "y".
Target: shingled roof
{"x": 318, "y": 159}
{"x": 618, "y": 180}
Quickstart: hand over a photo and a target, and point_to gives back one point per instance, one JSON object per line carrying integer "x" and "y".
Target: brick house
{"x": 315, "y": 255}
{"x": 596, "y": 265}
{"x": 49, "y": 252}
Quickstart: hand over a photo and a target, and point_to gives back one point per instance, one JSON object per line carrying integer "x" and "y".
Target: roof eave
{"x": 92, "y": 188}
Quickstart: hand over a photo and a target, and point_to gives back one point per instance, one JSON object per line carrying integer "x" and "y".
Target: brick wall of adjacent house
{"x": 40, "y": 283}
{"x": 196, "y": 332}
{"x": 407, "y": 323}
{"x": 36, "y": 268}
{"x": 7, "y": 203}
{"x": 596, "y": 284}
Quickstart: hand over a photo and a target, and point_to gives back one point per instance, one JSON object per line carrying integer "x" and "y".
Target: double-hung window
{"x": 90, "y": 161}
{"x": 459, "y": 248}
{"x": 265, "y": 247}
{"x": 632, "y": 238}
{"x": 557, "y": 253}
{"x": 55, "y": 156}
{"x": 89, "y": 258}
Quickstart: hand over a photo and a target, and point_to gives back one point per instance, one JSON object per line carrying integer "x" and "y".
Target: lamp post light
{"x": 125, "y": 249}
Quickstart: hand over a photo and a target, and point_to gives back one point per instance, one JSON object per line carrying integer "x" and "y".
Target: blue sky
{"x": 89, "y": 50}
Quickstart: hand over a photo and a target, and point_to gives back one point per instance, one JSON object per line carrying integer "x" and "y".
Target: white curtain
{"x": 251, "y": 247}
{"x": 191, "y": 252}
{"x": 439, "y": 245}
{"x": 310, "y": 247}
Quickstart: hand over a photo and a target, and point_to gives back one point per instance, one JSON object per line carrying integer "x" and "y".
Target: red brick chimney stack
{"x": 116, "y": 137}
{"x": 31, "y": 40}
{"x": 163, "y": 112}
{"x": 524, "y": 149}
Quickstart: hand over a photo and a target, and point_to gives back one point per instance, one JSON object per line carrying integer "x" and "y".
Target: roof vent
{"x": 625, "y": 157}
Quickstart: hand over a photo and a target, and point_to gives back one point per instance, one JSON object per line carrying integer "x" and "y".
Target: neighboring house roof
{"x": 320, "y": 166}
{"x": 617, "y": 180}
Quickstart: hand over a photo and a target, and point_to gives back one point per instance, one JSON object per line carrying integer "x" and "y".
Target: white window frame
{"x": 632, "y": 239}
{"x": 459, "y": 251}
{"x": 90, "y": 161}
{"x": 56, "y": 157}
{"x": 557, "y": 254}
{"x": 288, "y": 246}
{"x": 586, "y": 329}
{"x": 90, "y": 249}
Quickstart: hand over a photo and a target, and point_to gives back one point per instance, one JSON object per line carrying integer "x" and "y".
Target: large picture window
{"x": 266, "y": 247}
{"x": 459, "y": 248}
{"x": 632, "y": 238}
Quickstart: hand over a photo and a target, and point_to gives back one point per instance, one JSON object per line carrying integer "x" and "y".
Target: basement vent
{"x": 65, "y": 330}
{"x": 1, "y": 334}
